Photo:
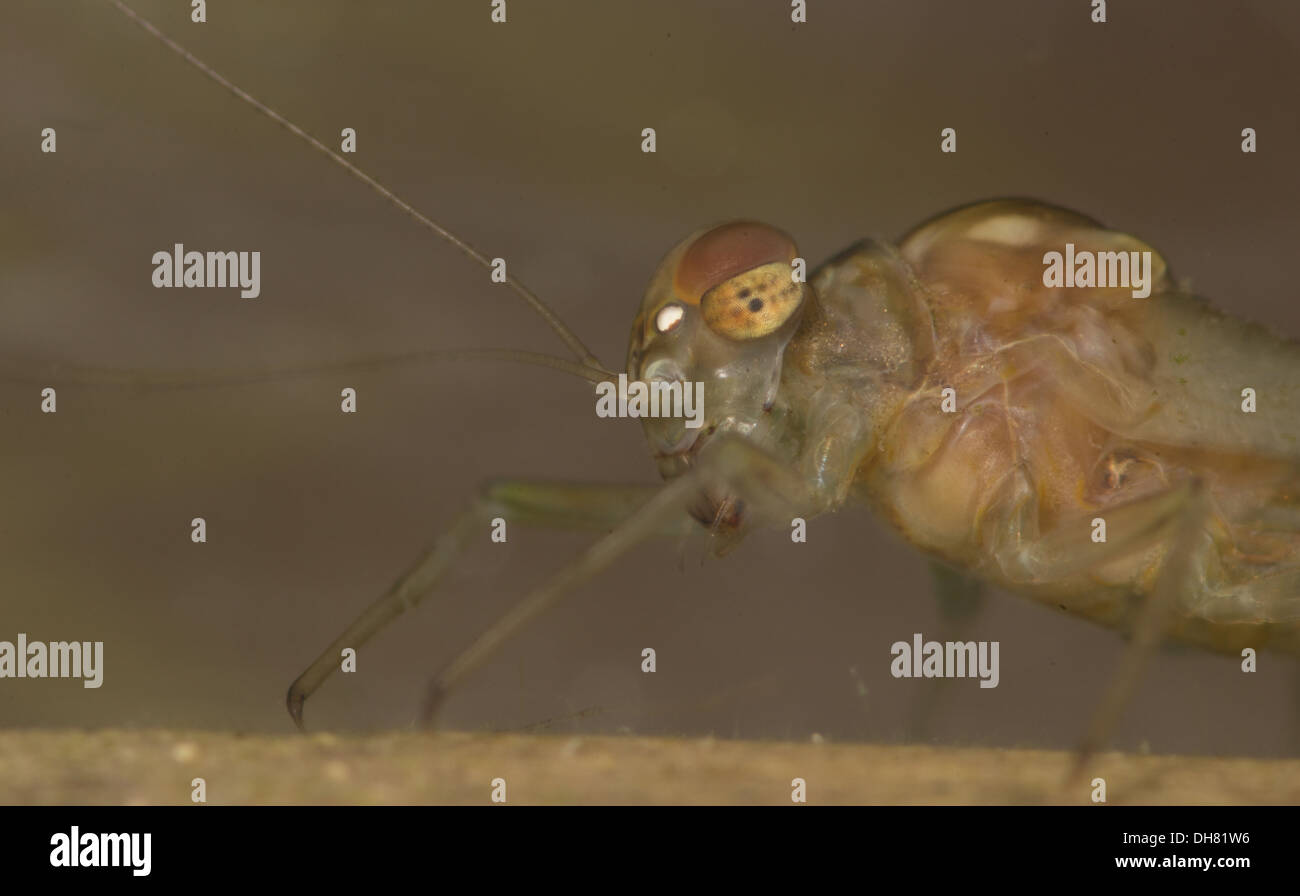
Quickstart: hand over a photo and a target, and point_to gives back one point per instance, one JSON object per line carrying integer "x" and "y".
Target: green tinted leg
{"x": 729, "y": 466}
{"x": 544, "y": 504}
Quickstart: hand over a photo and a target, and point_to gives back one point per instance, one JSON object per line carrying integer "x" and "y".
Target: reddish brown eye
{"x": 741, "y": 277}
{"x": 726, "y": 251}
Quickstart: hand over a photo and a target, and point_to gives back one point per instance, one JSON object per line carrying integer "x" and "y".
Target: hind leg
{"x": 1179, "y": 571}
{"x": 1176, "y": 519}
{"x": 960, "y": 599}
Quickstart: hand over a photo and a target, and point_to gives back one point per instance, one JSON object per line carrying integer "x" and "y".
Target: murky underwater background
{"x": 525, "y": 138}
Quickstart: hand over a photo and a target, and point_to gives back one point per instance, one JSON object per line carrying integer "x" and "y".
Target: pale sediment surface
{"x": 159, "y": 766}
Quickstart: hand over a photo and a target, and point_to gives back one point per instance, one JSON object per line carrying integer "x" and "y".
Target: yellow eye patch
{"x": 752, "y": 304}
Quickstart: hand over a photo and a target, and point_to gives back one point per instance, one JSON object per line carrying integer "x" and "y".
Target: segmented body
{"x": 1069, "y": 404}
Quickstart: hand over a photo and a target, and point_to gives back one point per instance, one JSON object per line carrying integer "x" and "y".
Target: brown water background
{"x": 526, "y": 139}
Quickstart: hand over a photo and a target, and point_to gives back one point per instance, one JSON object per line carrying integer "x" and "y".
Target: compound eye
{"x": 740, "y": 276}
{"x": 754, "y": 303}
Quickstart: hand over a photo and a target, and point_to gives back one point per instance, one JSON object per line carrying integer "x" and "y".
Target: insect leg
{"x": 1177, "y": 518}
{"x": 552, "y": 505}
{"x": 1295, "y": 704}
{"x": 730, "y": 464}
{"x": 1179, "y": 570}
{"x": 1029, "y": 557}
{"x": 960, "y": 599}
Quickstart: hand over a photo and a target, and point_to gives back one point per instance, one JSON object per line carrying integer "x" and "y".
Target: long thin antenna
{"x": 45, "y": 372}
{"x": 552, "y": 319}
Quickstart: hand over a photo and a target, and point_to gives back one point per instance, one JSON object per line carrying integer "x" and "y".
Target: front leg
{"x": 545, "y": 504}
{"x": 746, "y": 475}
